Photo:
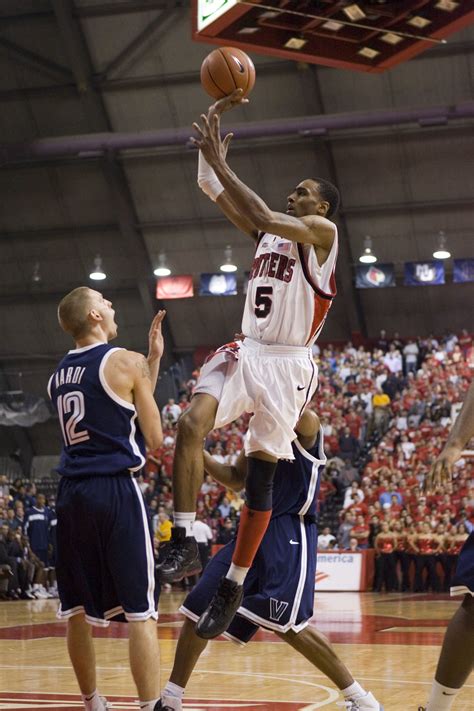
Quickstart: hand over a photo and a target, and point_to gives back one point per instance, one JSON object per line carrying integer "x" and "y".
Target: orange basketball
{"x": 226, "y": 69}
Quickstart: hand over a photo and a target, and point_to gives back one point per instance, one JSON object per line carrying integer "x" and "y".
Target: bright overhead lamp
{"x": 368, "y": 52}
{"x": 354, "y": 12}
{"x": 228, "y": 265}
{"x": 36, "y": 275}
{"x": 419, "y": 22}
{"x": 441, "y": 251}
{"x": 162, "y": 269}
{"x": 446, "y": 5}
{"x": 98, "y": 274}
{"x": 367, "y": 256}
{"x": 295, "y": 43}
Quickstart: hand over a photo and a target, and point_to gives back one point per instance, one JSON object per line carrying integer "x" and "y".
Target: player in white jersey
{"x": 271, "y": 372}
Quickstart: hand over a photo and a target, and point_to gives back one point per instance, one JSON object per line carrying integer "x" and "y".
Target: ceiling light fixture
{"x": 368, "y": 52}
{"x": 446, "y": 5}
{"x": 162, "y": 269}
{"x": 354, "y": 12}
{"x": 295, "y": 43}
{"x": 36, "y": 275}
{"x": 367, "y": 256}
{"x": 98, "y": 274}
{"x": 441, "y": 252}
{"x": 228, "y": 265}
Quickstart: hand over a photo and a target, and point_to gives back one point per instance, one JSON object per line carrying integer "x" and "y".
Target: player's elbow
{"x": 153, "y": 438}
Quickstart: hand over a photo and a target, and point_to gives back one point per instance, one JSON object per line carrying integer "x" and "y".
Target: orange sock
{"x": 252, "y": 527}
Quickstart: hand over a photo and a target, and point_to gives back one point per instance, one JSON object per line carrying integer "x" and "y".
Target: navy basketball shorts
{"x": 104, "y": 560}
{"x": 463, "y": 580}
{"x": 279, "y": 587}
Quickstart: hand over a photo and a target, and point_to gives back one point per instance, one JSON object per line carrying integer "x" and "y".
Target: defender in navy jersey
{"x": 456, "y": 660}
{"x": 105, "y": 563}
{"x": 279, "y": 589}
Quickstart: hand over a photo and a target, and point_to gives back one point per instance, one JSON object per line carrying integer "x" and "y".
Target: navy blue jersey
{"x": 37, "y": 528}
{"x": 100, "y": 430}
{"x": 296, "y": 483}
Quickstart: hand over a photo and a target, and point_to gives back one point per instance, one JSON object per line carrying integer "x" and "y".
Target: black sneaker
{"x": 159, "y": 707}
{"x": 221, "y": 610}
{"x": 181, "y": 558}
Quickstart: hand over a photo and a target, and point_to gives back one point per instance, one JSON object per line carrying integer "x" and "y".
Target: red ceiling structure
{"x": 368, "y": 35}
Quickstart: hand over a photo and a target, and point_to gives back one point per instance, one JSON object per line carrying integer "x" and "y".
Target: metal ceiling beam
{"x": 155, "y": 29}
{"x": 316, "y": 125}
{"x": 98, "y": 120}
{"x": 192, "y": 77}
{"x": 101, "y": 10}
{"x": 63, "y": 233}
{"x": 32, "y": 59}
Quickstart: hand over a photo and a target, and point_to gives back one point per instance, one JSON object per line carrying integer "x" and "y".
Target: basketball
{"x": 226, "y": 69}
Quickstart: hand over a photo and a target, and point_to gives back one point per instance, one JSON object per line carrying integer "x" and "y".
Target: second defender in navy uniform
{"x": 105, "y": 563}
{"x": 456, "y": 660}
{"x": 279, "y": 588}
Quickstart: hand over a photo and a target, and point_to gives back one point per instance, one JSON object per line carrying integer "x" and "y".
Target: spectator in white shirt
{"x": 393, "y": 360}
{"x": 402, "y": 421}
{"x": 410, "y": 352}
{"x": 203, "y": 536}
{"x": 353, "y": 495}
{"x": 325, "y": 539}
{"x": 170, "y": 412}
{"x": 407, "y": 447}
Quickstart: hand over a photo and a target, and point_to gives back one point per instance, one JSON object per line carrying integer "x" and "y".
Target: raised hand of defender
{"x": 156, "y": 344}
{"x": 442, "y": 469}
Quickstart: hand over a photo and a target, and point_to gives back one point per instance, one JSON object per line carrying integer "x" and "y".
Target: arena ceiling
{"x": 399, "y": 145}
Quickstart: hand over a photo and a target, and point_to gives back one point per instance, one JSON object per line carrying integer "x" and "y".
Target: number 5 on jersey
{"x": 72, "y": 402}
{"x": 263, "y": 301}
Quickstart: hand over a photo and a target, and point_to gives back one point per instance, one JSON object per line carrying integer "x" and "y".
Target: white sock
{"x": 173, "y": 690}
{"x": 353, "y": 691}
{"x": 237, "y": 573}
{"x": 92, "y": 702}
{"x": 185, "y": 520}
{"x": 148, "y": 705}
{"x": 441, "y": 697}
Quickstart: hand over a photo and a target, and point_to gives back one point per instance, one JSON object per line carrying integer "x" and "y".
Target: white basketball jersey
{"x": 289, "y": 294}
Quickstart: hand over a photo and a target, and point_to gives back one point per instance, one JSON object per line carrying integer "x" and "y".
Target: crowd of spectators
{"x": 27, "y": 542}
{"x": 385, "y": 410}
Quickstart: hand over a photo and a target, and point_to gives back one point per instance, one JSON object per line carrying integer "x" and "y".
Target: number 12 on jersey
{"x": 72, "y": 402}
{"x": 263, "y": 301}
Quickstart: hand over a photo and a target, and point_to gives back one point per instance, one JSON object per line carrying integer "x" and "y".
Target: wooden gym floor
{"x": 389, "y": 642}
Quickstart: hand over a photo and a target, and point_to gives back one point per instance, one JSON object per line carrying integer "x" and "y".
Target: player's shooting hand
{"x": 156, "y": 344}
{"x": 227, "y": 103}
{"x": 209, "y": 140}
{"x": 442, "y": 469}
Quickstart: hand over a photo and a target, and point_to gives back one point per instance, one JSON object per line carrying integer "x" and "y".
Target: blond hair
{"x": 73, "y": 311}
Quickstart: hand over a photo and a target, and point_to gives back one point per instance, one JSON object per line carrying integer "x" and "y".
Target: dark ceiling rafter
{"x": 155, "y": 29}
{"x": 38, "y": 62}
{"x": 192, "y": 77}
{"x": 66, "y": 232}
{"x": 121, "y": 196}
{"x": 106, "y": 9}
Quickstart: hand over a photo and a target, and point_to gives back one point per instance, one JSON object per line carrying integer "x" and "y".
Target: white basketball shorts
{"x": 274, "y": 382}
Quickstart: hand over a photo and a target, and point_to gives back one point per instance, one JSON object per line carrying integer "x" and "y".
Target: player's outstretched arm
{"x": 233, "y": 477}
{"x": 459, "y": 436}
{"x": 147, "y": 410}
{"x": 313, "y": 229}
{"x": 208, "y": 180}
